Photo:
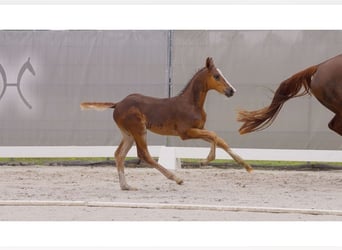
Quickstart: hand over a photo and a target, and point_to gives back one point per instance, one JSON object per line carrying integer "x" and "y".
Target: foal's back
{"x": 165, "y": 116}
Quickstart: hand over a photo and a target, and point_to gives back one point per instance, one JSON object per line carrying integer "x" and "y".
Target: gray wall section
{"x": 76, "y": 66}
{"x": 71, "y": 67}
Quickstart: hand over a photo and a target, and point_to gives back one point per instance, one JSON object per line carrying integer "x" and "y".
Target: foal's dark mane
{"x": 189, "y": 84}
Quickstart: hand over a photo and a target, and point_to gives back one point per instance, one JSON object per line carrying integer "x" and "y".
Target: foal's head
{"x": 216, "y": 80}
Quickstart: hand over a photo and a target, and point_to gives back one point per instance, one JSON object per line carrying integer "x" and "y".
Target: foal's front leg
{"x": 211, "y": 156}
{"x": 206, "y": 135}
{"x": 222, "y": 144}
{"x": 214, "y": 139}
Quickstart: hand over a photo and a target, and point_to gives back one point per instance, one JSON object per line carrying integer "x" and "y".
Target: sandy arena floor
{"x": 210, "y": 186}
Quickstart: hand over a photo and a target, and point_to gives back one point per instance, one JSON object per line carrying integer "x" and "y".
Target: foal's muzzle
{"x": 229, "y": 92}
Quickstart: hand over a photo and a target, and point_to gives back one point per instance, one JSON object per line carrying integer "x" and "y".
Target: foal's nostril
{"x": 230, "y": 92}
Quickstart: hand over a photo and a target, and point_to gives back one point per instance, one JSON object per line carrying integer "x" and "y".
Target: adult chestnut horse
{"x": 182, "y": 116}
{"x": 324, "y": 81}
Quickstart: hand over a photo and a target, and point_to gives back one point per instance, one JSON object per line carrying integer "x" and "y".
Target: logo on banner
{"x": 27, "y": 66}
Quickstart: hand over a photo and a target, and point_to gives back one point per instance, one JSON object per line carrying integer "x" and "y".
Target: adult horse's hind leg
{"x": 120, "y": 155}
{"x": 143, "y": 153}
{"x": 336, "y": 124}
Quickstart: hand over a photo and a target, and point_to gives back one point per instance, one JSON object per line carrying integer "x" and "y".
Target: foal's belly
{"x": 163, "y": 129}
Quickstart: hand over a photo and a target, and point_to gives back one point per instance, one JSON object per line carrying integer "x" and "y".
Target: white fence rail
{"x": 169, "y": 156}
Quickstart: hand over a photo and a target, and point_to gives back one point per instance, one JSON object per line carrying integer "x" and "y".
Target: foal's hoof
{"x": 179, "y": 181}
{"x": 203, "y": 163}
{"x": 249, "y": 169}
{"x": 128, "y": 188}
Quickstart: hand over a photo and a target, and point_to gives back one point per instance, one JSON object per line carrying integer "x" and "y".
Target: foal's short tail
{"x": 263, "y": 118}
{"x": 98, "y": 105}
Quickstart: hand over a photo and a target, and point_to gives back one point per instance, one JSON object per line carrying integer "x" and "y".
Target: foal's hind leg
{"x": 143, "y": 153}
{"x": 336, "y": 124}
{"x": 120, "y": 155}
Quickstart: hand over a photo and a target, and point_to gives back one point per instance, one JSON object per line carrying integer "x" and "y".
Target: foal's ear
{"x": 209, "y": 63}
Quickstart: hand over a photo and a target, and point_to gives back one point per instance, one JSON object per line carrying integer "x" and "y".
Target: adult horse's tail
{"x": 290, "y": 88}
{"x": 98, "y": 105}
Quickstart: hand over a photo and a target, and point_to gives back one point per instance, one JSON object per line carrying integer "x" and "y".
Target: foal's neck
{"x": 196, "y": 90}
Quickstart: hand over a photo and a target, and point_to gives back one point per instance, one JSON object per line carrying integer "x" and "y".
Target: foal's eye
{"x": 217, "y": 77}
